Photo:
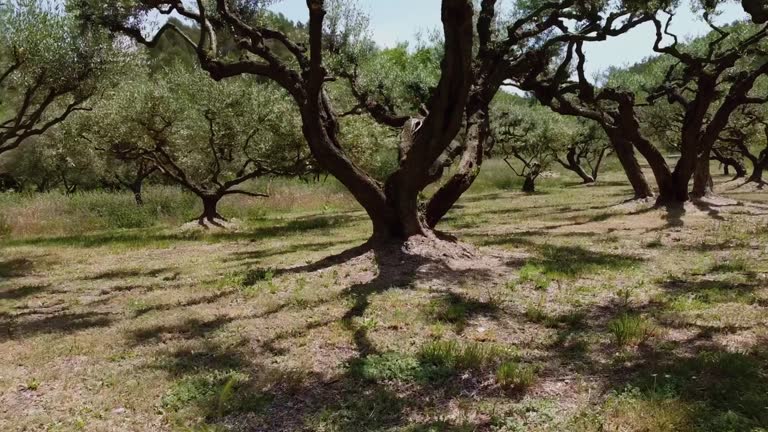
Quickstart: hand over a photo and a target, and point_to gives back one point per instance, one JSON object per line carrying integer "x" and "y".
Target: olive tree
{"x": 709, "y": 79}
{"x": 480, "y": 50}
{"x": 746, "y": 137}
{"x": 694, "y": 76}
{"x": 58, "y": 159}
{"x": 209, "y": 137}
{"x": 49, "y": 69}
{"x": 522, "y": 138}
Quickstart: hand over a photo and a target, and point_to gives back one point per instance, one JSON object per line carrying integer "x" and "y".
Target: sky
{"x": 394, "y": 21}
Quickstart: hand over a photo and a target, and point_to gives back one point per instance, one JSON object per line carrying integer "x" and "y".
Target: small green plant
{"x": 625, "y": 297}
{"x": 255, "y": 276}
{"x": 630, "y": 330}
{"x": 32, "y": 384}
{"x": 452, "y": 355}
{"x": 733, "y": 265}
{"x": 138, "y": 306}
{"x": 390, "y": 366}
{"x": 536, "y": 275}
{"x": 214, "y": 394}
{"x": 535, "y": 312}
{"x": 513, "y": 375}
{"x": 440, "y": 353}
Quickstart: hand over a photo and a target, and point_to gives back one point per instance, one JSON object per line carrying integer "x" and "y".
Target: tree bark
{"x": 136, "y": 188}
{"x": 529, "y": 185}
{"x": 478, "y": 133}
{"x": 575, "y": 166}
{"x": 626, "y": 155}
{"x": 759, "y": 166}
{"x": 210, "y": 212}
{"x": 728, "y": 162}
{"x": 703, "y": 185}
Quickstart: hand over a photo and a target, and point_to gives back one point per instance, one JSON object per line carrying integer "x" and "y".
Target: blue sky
{"x": 394, "y": 21}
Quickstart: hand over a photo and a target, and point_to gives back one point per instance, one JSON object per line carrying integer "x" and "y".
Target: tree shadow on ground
{"x": 20, "y": 292}
{"x": 458, "y": 310}
{"x": 256, "y": 255}
{"x": 697, "y": 383}
{"x": 573, "y": 261}
{"x": 17, "y": 267}
{"x": 149, "y": 238}
{"x": 64, "y": 323}
{"x": 127, "y": 273}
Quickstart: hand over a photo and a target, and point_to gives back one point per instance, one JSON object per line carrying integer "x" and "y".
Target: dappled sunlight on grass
{"x": 599, "y": 317}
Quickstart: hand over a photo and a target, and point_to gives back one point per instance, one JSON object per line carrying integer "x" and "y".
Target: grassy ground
{"x": 601, "y": 318}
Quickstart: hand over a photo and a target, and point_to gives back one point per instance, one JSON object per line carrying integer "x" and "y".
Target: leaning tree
{"x": 209, "y": 137}
{"x": 478, "y": 56}
{"x": 746, "y": 137}
{"x": 709, "y": 79}
{"x": 49, "y": 69}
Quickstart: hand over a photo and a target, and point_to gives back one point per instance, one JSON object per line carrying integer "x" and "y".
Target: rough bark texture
{"x": 626, "y": 155}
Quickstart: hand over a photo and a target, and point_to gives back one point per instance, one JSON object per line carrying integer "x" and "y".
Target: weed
{"x": 390, "y": 366}
{"x": 471, "y": 356}
{"x": 535, "y": 275}
{"x": 630, "y": 329}
{"x": 254, "y": 276}
{"x": 733, "y": 265}
{"x": 213, "y": 394}
{"x": 514, "y": 375}
{"x": 656, "y": 243}
{"x": 32, "y": 384}
{"x": 625, "y": 298}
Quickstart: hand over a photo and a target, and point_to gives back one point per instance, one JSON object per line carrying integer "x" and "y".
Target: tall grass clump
{"x": 630, "y": 330}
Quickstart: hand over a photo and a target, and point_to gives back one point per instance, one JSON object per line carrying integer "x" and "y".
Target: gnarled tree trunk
{"x": 626, "y": 155}
{"x": 703, "y": 185}
{"x": 728, "y": 162}
{"x": 760, "y": 164}
{"x": 210, "y": 212}
{"x": 573, "y": 164}
{"x": 478, "y": 133}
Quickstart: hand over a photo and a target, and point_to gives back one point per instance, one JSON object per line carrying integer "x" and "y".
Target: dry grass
{"x": 153, "y": 329}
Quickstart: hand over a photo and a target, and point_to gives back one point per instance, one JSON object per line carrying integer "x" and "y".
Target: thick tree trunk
{"x": 394, "y": 207}
{"x": 759, "y": 163}
{"x": 136, "y": 189}
{"x": 210, "y": 213}
{"x": 703, "y": 185}
{"x": 757, "y": 172}
{"x": 626, "y": 155}
{"x": 575, "y": 166}
{"x": 529, "y": 185}
{"x": 478, "y": 133}
{"x": 728, "y": 162}
{"x": 320, "y": 128}
{"x": 673, "y": 190}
